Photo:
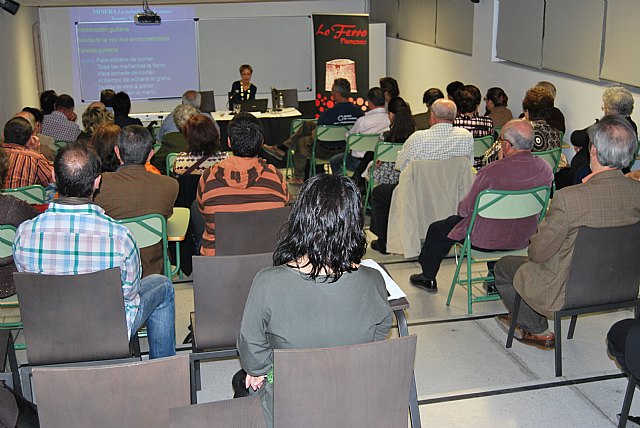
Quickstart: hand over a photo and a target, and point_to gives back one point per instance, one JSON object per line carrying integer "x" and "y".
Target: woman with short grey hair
{"x": 615, "y": 101}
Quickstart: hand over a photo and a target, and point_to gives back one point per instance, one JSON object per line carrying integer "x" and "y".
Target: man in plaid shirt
{"x": 61, "y": 123}
{"x": 74, "y": 236}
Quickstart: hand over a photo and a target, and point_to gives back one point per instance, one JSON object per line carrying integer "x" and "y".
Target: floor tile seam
{"x": 501, "y": 345}
{"x": 592, "y": 404}
{"x": 534, "y": 385}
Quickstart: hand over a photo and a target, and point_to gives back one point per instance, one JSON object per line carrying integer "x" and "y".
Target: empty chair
{"x": 132, "y": 395}
{"x": 339, "y": 389}
{"x": 96, "y": 331}
{"x": 249, "y": 232}
{"x": 237, "y": 413}
{"x": 220, "y": 288}
{"x": 601, "y": 278}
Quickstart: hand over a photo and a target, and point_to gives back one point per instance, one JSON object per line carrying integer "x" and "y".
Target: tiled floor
{"x": 458, "y": 358}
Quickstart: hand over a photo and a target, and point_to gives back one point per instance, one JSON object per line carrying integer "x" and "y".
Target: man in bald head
{"x": 441, "y": 141}
{"x": 517, "y": 169}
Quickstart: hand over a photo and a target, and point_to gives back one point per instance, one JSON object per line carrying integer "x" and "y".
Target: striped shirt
{"x": 237, "y": 184}
{"x": 57, "y": 126}
{"x": 479, "y": 126}
{"x": 26, "y": 167}
{"x": 441, "y": 141}
{"x": 75, "y": 239}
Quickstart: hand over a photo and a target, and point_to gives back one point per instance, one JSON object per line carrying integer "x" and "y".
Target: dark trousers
{"x": 380, "y": 206}
{"x": 437, "y": 245}
{"x": 528, "y": 319}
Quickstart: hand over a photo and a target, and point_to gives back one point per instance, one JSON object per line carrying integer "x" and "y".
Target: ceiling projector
{"x": 147, "y": 17}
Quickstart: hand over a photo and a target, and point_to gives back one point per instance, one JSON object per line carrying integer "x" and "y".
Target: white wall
{"x": 418, "y": 67}
{"x": 18, "y": 84}
{"x": 56, "y": 40}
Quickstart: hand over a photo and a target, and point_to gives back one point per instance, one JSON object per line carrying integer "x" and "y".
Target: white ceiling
{"x": 65, "y": 3}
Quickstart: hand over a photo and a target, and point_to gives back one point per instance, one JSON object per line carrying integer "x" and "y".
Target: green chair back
{"x": 329, "y": 133}
{"x": 360, "y": 142}
{"x": 481, "y": 145}
{"x": 383, "y": 152}
{"x": 148, "y": 230}
{"x": 551, "y": 156}
{"x": 59, "y": 145}
{"x": 295, "y": 125}
{"x": 7, "y": 235}
{"x": 170, "y": 160}
{"x": 498, "y": 205}
{"x": 34, "y": 194}
{"x": 156, "y": 147}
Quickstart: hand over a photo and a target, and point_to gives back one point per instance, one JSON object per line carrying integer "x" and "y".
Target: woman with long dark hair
{"x": 402, "y": 126}
{"x": 317, "y": 294}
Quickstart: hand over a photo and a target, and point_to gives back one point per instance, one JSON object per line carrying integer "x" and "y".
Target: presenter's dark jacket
{"x": 132, "y": 191}
{"x": 238, "y": 96}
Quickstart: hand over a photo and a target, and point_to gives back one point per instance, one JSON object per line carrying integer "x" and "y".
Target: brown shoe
{"x": 504, "y": 321}
{"x": 541, "y": 341}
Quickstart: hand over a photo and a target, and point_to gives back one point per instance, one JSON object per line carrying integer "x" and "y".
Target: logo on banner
{"x": 348, "y": 34}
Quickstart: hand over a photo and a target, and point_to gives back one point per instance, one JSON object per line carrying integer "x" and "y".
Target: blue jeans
{"x": 336, "y": 163}
{"x": 157, "y": 309}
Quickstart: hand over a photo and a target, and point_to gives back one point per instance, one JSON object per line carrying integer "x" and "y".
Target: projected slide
{"x": 145, "y": 61}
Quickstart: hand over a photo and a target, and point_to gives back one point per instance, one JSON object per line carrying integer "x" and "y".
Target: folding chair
{"x": 97, "y": 331}
{"x": 34, "y": 194}
{"x": 341, "y": 392}
{"x": 243, "y": 412}
{"x": 498, "y": 205}
{"x": 328, "y": 133}
{"x": 170, "y": 160}
{"x": 148, "y": 230}
{"x": 135, "y": 395}
{"x": 220, "y": 288}
{"x": 384, "y": 152}
{"x": 481, "y": 145}
{"x": 551, "y": 156}
{"x": 360, "y": 142}
{"x": 601, "y": 279}
{"x": 295, "y": 125}
{"x": 177, "y": 226}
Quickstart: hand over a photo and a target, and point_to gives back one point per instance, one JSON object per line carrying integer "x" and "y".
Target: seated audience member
{"x": 428, "y": 98}
{"x": 189, "y": 98}
{"x": 132, "y": 191}
{"x": 374, "y": 121}
{"x": 92, "y": 119}
{"x": 517, "y": 169}
{"x": 616, "y": 100}
{"x": 103, "y": 142}
{"x": 13, "y": 211}
{"x": 401, "y": 128}
{"x": 497, "y": 107}
{"x": 556, "y": 119}
{"x": 342, "y": 113}
{"x": 468, "y": 117}
{"x": 174, "y": 142}
{"x": 242, "y": 182}
{"x": 61, "y": 124}
{"x": 46, "y": 151}
{"x": 606, "y": 198}
{"x": 321, "y": 275}
{"x": 454, "y": 87}
{"x": 390, "y": 88}
{"x": 47, "y": 144}
{"x": 204, "y": 147}
{"x": 71, "y": 236}
{"x": 440, "y": 141}
{"x": 108, "y": 97}
{"x": 537, "y": 105}
{"x": 121, "y": 110}
{"x": 48, "y": 101}
{"x": 27, "y": 166}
